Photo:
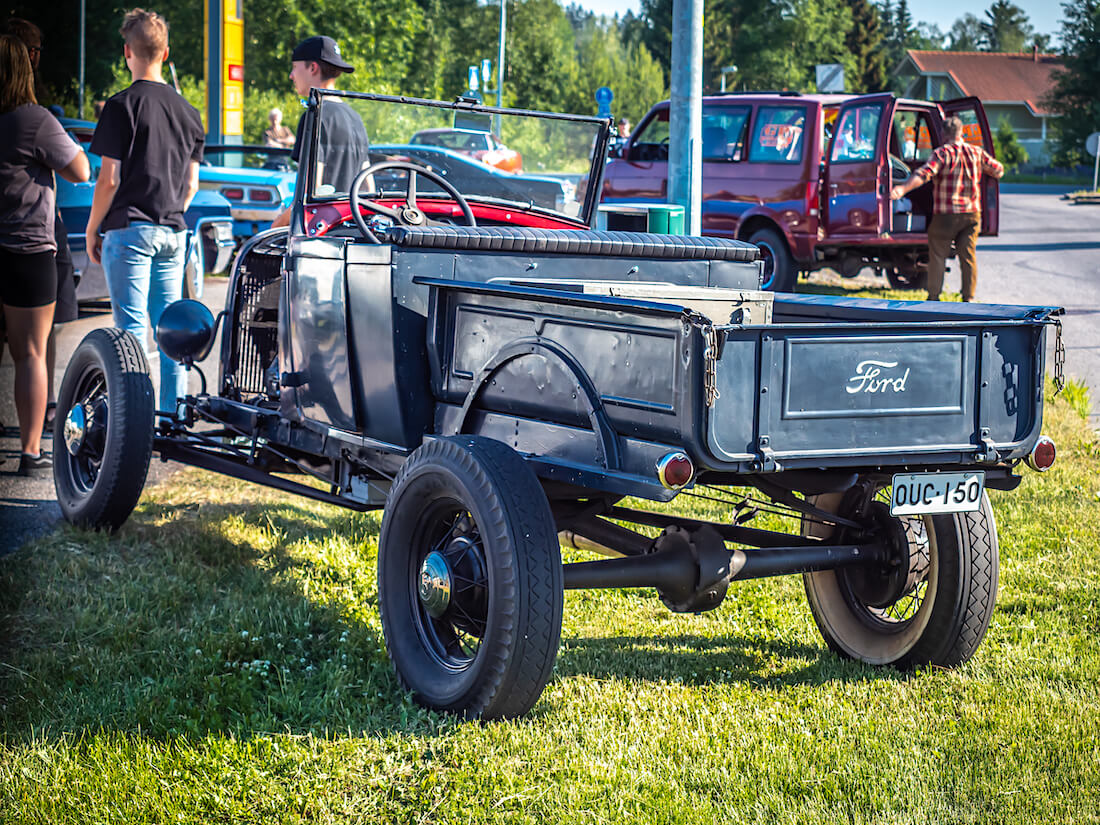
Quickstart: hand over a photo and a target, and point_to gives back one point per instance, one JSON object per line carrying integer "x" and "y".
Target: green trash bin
{"x": 642, "y": 216}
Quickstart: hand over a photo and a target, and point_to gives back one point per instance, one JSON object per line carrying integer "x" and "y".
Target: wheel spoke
{"x": 910, "y": 598}
{"x": 97, "y": 388}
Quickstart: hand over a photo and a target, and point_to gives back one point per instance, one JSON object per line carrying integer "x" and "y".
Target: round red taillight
{"x": 675, "y": 470}
{"x": 1042, "y": 454}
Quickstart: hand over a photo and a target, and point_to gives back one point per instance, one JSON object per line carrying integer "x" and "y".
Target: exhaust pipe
{"x": 567, "y": 538}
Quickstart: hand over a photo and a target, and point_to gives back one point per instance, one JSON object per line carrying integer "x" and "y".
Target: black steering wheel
{"x": 410, "y": 214}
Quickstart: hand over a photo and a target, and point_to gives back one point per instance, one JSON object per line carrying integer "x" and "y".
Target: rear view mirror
{"x": 473, "y": 121}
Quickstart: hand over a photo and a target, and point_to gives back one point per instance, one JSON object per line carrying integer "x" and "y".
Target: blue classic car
{"x": 209, "y": 223}
{"x": 258, "y": 182}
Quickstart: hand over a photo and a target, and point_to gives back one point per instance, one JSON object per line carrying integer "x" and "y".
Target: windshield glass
{"x": 519, "y": 159}
{"x": 249, "y": 157}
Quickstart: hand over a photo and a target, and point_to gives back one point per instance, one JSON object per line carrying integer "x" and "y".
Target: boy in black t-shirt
{"x": 151, "y": 143}
{"x": 343, "y": 148}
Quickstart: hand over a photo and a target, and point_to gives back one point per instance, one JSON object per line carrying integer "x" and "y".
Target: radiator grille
{"x": 255, "y": 346}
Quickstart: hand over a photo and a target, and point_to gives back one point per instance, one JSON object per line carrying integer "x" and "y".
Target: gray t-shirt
{"x": 34, "y": 145}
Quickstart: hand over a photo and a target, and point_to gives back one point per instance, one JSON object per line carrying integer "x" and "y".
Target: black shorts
{"x": 28, "y": 280}
{"x": 65, "y": 309}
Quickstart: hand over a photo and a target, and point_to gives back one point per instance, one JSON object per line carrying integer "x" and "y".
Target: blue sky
{"x": 1045, "y": 16}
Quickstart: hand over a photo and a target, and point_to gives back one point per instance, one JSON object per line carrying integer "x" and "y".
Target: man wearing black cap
{"x": 343, "y": 149}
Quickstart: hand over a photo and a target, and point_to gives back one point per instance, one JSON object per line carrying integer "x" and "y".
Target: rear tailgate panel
{"x": 936, "y": 390}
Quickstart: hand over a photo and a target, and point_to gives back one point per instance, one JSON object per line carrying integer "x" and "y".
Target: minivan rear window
{"x": 778, "y": 134}
{"x": 724, "y": 132}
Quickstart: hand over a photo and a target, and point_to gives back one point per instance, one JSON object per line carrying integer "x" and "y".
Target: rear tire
{"x": 779, "y": 268}
{"x": 939, "y": 620}
{"x": 470, "y": 579}
{"x": 103, "y": 432}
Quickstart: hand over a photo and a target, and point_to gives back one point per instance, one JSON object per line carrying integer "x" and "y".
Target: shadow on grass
{"x": 704, "y": 660}
{"x": 199, "y": 620}
{"x": 185, "y": 628}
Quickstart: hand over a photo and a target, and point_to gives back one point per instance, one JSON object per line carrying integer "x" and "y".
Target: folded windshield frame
{"x": 601, "y": 130}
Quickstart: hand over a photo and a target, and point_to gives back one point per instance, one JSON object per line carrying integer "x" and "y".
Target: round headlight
{"x": 185, "y": 331}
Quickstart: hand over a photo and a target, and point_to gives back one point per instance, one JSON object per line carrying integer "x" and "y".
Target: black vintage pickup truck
{"x": 504, "y": 380}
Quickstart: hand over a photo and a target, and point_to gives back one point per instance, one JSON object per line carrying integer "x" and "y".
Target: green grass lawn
{"x": 221, "y": 660}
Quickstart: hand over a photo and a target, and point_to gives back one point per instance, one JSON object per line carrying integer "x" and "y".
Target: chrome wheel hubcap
{"x": 76, "y": 427}
{"x": 434, "y": 587}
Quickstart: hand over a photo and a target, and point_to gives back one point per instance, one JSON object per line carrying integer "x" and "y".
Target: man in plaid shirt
{"x": 956, "y": 170}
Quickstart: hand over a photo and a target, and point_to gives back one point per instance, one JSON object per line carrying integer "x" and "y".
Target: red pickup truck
{"x": 807, "y": 177}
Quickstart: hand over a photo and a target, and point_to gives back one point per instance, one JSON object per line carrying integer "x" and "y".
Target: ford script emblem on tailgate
{"x": 870, "y": 377}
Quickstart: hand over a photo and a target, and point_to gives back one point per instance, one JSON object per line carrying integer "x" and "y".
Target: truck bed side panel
{"x": 535, "y": 357}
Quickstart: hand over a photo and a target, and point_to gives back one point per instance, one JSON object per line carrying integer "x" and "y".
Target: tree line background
{"x": 558, "y": 55}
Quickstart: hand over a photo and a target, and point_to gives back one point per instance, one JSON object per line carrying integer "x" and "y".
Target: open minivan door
{"x": 856, "y": 185}
{"x": 976, "y": 132}
{"x": 642, "y": 171}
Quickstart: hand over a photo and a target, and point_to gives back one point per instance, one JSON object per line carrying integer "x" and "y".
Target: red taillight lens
{"x": 235, "y": 72}
{"x": 675, "y": 470}
{"x": 233, "y": 194}
{"x": 812, "y": 202}
{"x": 260, "y": 195}
{"x": 1042, "y": 455}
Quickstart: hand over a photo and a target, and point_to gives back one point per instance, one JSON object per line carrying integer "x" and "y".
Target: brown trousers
{"x": 962, "y": 228}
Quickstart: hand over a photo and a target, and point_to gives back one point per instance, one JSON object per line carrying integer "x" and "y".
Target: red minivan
{"x": 807, "y": 177}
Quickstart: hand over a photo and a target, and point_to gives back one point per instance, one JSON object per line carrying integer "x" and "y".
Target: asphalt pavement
{"x": 1048, "y": 253}
{"x": 28, "y": 506}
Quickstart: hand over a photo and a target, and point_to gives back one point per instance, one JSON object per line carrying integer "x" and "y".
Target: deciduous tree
{"x": 604, "y": 60}
{"x": 966, "y": 34}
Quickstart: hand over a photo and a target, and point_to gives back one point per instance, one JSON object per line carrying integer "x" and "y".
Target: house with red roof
{"x": 1012, "y": 87}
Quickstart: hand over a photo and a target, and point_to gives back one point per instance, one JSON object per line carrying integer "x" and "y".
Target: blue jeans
{"x": 144, "y": 268}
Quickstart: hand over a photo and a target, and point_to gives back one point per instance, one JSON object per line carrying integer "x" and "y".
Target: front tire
{"x": 103, "y": 432}
{"x": 470, "y": 579}
{"x": 945, "y": 603}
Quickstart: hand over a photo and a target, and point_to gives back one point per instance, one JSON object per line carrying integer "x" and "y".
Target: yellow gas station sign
{"x": 233, "y": 63}
{"x": 225, "y": 69}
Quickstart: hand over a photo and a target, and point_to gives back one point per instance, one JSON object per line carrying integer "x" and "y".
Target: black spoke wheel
{"x": 932, "y": 605}
{"x": 103, "y": 433}
{"x": 470, "y": 580}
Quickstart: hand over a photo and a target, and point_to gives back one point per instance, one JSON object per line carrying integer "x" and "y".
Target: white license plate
{"x": 921, "y": 493}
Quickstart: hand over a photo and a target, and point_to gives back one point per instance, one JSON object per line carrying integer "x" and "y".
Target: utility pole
{"x": 685, "y": 162}
{"x": 83, "y": 20}
{"x": 500, "y": 54}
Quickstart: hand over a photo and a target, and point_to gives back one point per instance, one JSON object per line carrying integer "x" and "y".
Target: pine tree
{"x": 898, "y": 33}
{"x": 1006, "y": 27}
{"x": 903, "y": 24}
{"x": 886, "y": 15}
{"x": 864, "y": 42}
